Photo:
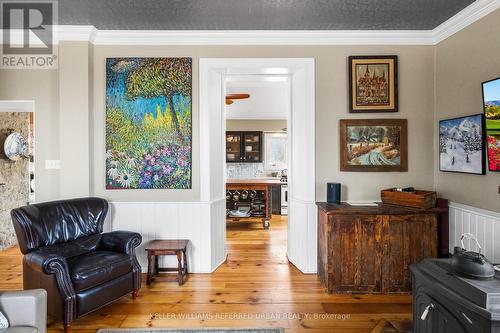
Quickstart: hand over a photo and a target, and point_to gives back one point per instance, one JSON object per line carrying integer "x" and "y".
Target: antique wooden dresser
{"x": 367, "y": 249}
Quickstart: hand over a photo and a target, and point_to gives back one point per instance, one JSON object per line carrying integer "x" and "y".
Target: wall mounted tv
{"x": 491, "y": 102}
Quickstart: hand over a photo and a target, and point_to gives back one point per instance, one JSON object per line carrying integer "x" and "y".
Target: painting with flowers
{"x": 148, "y": 123}
{"x": 491, "y": 99}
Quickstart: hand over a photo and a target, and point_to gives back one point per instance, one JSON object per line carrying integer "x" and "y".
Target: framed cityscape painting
{"x": 148, "y": 123}
{"x": 491, "y": 99}
{"x": 373, "y": 84}
{"x": 373, "y": 145}
{"x": 461, "y": 145}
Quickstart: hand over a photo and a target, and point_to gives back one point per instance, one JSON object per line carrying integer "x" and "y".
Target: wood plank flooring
{"x": 256, "y": 287}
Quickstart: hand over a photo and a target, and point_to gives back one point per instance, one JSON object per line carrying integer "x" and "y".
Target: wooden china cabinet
{"x": 243, "y": 147}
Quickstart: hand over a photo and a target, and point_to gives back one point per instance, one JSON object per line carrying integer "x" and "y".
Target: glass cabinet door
{"x": 233, "y": 147}
{"x": 252, "y": 147}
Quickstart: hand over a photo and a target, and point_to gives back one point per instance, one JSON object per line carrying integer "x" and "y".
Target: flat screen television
{"x": 491, "y": 103}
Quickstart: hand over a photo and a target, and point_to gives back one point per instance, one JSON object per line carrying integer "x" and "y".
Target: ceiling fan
{"x": 231, "y": 97}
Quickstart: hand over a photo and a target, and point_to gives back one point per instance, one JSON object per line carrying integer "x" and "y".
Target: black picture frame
{"x": 392, "y": 62}
{"x": 486, "y": 129}
{"x": 482, "y": 140}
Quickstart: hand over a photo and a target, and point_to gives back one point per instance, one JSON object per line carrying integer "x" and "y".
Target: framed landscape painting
{"x": 461, "y": 145}
{"x": 491, "y": 99}
{"x": 373, "y": 84}
{"x": 148, "y": 123}
{"x": 373, "y": 145}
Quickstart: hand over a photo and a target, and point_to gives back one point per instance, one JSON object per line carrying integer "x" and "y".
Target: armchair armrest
{"x": 50, "y": 263}
{"x": 121, "y": 241}
{"x": 25, "y": 308}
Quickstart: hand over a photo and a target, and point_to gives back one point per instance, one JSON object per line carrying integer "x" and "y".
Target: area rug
{"x": 192, "y": 330}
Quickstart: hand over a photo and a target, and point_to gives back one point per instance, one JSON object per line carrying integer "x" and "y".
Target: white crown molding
{"x": 234, "y": 37}
{"x": 464, "y": 18}
{"x": 472, "y": 13}
{"x": 75, "y": 33}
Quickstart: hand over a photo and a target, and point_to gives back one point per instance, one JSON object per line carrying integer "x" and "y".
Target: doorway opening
{"x": 17, "y": 162}
{"x": 257, "y": 108}
{"x": 302, "y": 214}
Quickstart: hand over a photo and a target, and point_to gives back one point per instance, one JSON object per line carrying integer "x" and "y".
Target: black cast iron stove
{"x": 444, "y": 302}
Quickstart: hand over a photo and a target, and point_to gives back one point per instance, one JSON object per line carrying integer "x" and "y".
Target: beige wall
{"x": 463, "y": 61}
{"x": 74, "y": 113}
{"x": 416, "y": 77}
{"x": 416, "y": 96}
{"x": 255, "y": 125}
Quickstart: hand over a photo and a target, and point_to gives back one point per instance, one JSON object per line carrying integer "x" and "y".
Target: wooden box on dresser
{"x": 367, "y": 249}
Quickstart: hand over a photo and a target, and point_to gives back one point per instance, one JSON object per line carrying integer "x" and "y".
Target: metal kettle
{"x": 470, "y": 264}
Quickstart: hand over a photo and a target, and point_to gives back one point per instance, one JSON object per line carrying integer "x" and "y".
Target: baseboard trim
{"x": 222, "y": 262}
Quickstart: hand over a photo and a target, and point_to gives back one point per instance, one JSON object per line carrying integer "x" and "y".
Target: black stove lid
{"x": 484, "y": 293}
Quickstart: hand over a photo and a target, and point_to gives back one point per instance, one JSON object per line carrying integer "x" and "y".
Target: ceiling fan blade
{"x": 237, "y": 96}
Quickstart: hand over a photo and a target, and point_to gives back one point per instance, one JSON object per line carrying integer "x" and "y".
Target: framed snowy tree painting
{"x": 462, "y": 145}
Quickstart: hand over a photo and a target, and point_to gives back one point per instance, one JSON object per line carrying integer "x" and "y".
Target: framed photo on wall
{"x": 373, "y": 145}
{"x": 373, "y": 84}
{"x": 491, "y": 101}
{"x": 461, "y": 145}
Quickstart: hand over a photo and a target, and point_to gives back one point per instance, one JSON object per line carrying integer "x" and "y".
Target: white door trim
{"x": 17, "y": 106}
{"x": 302, "y": 236}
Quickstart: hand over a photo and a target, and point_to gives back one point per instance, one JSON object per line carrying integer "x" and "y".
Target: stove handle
{"x": 467, "y": 318}
{"x": 426, "y": 311}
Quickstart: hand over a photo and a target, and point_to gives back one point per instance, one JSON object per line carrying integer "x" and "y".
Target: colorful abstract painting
{"x": 148, "y": 123}
{"x": 491, "y": 97}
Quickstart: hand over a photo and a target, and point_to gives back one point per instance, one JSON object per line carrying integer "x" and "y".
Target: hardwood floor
{"x": 256, "y": 287}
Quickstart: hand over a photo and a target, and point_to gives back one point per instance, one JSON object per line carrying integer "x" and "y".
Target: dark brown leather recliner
{"x": 66, "y": 253}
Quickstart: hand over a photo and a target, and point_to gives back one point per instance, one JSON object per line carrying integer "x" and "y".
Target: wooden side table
{"x": 162, "y": 247}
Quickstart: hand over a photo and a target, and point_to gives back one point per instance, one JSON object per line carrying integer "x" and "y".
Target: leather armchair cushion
{"x": 75, "y": 248}
{"x": 95, "y": 268}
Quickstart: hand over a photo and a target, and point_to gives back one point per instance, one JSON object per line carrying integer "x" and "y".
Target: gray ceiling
{"x": 259, "y": 14}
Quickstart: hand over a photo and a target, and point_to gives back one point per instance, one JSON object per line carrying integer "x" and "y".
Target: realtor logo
{"x": 28, "y": 34}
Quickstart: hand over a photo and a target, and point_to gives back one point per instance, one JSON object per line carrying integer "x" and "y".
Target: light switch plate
{"x": 52, "y": 164}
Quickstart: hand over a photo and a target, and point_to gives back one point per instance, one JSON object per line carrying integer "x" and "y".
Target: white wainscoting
{"x": 484, "y": 224}
{"x": 195, "y": 221}
{"x": 302, "y": 240}
{"x": 218, "y": 234}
